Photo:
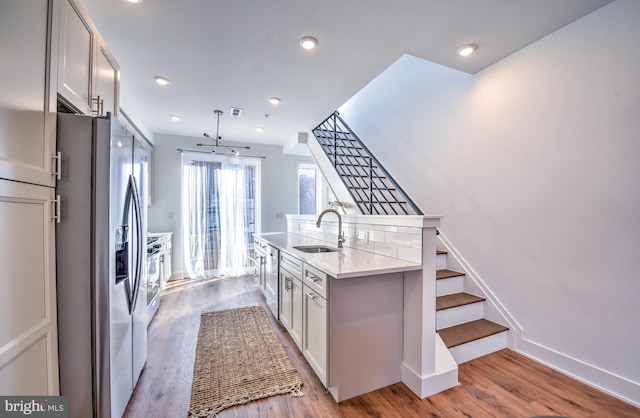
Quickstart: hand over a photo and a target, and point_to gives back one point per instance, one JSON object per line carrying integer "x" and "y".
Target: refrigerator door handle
{"x": 139, "y": 235}
{"x": 122, "y": 253}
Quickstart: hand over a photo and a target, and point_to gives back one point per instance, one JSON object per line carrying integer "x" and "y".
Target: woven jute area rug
{"x": 239, "y": 359}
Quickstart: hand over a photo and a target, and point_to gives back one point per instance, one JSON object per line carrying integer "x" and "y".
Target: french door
{"x": 220, "y": 210}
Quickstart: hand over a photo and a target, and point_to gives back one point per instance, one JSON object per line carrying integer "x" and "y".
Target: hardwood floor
{"x": 503, "y": 384}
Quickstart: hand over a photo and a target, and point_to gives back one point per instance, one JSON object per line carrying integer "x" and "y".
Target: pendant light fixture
{"x": 218, "y": 138}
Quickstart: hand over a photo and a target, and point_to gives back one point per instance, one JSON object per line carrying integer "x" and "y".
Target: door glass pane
{"x": 307, "y": 190}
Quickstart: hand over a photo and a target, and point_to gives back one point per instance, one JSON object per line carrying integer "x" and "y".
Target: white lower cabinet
{"x": 297, "y": 322}
{"x": 304, "y": 312}
{"x": 290, "y": 306}
{"x": 28, "y": 324}
{"x": 284, "y": 307}
{"x": 164, "y": 245}
{"x": 314, "y": 339}
{"x": 349, "y": 330}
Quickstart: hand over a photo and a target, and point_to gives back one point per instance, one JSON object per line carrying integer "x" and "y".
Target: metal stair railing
{"x": 372, "y": 188}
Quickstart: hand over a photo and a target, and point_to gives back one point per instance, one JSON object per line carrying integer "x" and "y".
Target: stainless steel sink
{"x": 315, "y": 249}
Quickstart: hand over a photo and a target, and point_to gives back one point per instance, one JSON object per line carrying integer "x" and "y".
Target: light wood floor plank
{"x": 502, "y": 384}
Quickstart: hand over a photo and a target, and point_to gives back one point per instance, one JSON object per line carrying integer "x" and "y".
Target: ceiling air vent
{"x": 235, "y": 112}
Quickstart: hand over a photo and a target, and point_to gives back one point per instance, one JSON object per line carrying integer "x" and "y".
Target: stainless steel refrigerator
{"x": 100, "y": 256}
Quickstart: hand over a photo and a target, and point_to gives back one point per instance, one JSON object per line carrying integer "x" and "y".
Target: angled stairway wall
{"x": 532, "y": 164}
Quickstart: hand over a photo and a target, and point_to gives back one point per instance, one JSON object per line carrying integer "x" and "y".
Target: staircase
{"x": 460, "y": 318}
{"x": 371, "y": 187}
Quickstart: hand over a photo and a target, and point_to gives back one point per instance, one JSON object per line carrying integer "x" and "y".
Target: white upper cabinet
{"x": 88, "y": 74}
{"x": 27, "y": 104}
{"x": 77, "y": 41}
{"x": 107, "y": 80}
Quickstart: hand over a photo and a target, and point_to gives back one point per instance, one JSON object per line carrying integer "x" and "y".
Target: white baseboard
{"x": 444, "y": 377}
{"x": 616, "y": 386}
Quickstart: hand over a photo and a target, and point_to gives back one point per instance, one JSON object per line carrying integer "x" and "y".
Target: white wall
{"x": 533, "y": 162}
{"x": 278, "y": 188}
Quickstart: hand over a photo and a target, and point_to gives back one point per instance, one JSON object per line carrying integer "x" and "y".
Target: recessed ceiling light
{"x": 308, "y": 42}
{"x": 174, "y": 118}
{"x": 135, "y": 1}
{"x": 163, "y": 81}
{"x": 259, "y": 129}
{"x": 274, "y": 100}
{"x": 465, "y": 50}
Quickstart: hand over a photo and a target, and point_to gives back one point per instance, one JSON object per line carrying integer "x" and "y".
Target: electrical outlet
{"x": 363, "y": 236}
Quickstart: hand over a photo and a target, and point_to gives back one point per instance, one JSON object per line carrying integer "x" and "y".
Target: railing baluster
{"x": 355, "y": 163}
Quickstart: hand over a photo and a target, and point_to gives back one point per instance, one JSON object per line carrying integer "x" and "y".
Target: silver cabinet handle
{"x": 99, "y": 111}
{"x": 311, "y": 295}
{"x": 313, "y": 278}
{"x": 56, "y": 209}
{"x": 58, "y": 170}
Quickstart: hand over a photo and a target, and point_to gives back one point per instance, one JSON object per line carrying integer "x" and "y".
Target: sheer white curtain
{"x": 220, "y": 204}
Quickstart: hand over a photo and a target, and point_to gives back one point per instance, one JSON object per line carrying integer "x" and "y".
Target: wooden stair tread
{"x": 455, "y": 300}
{"x": 446, "y": 273}
{"x": 469, "y": 331}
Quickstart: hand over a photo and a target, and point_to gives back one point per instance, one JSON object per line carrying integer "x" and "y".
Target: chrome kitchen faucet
{"x": 340, "y": 235}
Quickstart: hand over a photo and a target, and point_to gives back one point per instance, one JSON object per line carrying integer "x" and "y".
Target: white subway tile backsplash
{"x": 398, "y": 239}
{"x": 409, "y": 230}
{"x": 384, "y": 249}
{"x": 376, "y": 236}
{"x": 392, "y": 241}
{"x": 410, "y": 254}
{"x": 386, "y": 228}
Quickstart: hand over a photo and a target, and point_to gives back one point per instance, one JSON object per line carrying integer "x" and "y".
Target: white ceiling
{"x": 221, "y": 53}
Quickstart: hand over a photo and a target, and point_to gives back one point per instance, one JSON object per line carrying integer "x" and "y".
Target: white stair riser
{"x": 441, "y": 261}
{"x": 479, "y": 348}
{"x": 455, "y": 316}
{"x": 449, "y": 286}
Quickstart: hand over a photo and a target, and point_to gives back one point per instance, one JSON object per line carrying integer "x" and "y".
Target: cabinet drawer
{"x": 259, "y": 244}
{"x": 316, "y": 280}
{"x": 291, "y": 264}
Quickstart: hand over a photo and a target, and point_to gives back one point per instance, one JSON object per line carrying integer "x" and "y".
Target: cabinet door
{"x": 314, "y": 341}
{"x": 297, "y": 325}
{"x": 271, "y": 279}
{"x": 77, "y": 42}
{"x": 27, "y": 124}
{"x": 257, "y": 268}
{"x": 28, "y": 324}
{"x": 284, "y": 307}
{"x": 263, "y": 272}
{"x": 167, "y": 261}
{"x": 107, "y": 78}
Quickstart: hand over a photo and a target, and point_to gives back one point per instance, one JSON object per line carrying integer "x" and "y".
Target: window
{"x": 311, "y": 188}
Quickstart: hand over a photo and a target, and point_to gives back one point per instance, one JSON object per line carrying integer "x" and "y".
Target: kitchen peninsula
{"x": 363, "y": 315}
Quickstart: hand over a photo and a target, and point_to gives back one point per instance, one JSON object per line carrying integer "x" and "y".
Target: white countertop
{"x": 341, "y": 264}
